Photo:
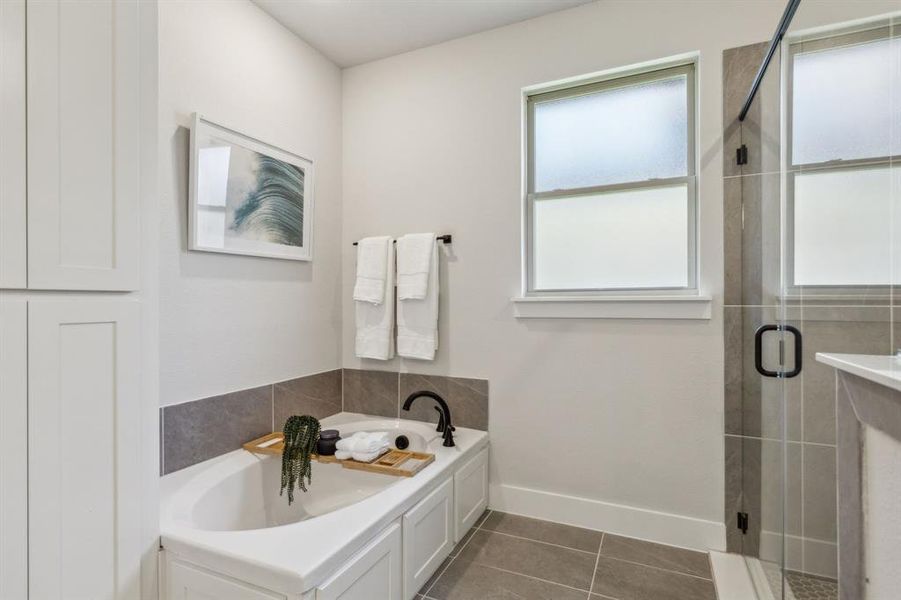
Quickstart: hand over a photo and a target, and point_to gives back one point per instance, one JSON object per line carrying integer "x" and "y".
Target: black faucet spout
{"x": 444, "y": 421}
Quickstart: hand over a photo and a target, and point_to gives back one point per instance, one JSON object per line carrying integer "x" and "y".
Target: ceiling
{"x": 351, "y": 32}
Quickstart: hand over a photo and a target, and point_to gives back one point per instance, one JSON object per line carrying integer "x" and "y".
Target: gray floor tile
{"x": 630, "y": 581}
{"x": 428, "y": 584}
{"x": 472, "y": 581}
{"x": 526, "y": 557}
{"x": 656, "y": 555}
{"x": 544, "y": 531}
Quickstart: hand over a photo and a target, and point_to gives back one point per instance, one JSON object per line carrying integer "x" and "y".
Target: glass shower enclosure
{"x": 812, "y": 221}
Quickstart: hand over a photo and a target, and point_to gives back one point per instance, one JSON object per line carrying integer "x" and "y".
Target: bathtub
{"x": 227, "y": 533}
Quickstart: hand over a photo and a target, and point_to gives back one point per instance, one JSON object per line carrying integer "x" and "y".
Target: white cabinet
{"x": 12, "y": 144}
{"x": 428, "y": 537}
{"x": 470, "y": 493}
{"x": 83, "y": 74}
{"x": 187, "y": 582}
{"x": 13, "y": 443}
{"x": 84, "y": 448}
{"x": 373, "y": 573}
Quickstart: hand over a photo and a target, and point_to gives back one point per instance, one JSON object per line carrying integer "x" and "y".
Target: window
{"x": 611, "y": 203}
{"x": 843, "y": 177}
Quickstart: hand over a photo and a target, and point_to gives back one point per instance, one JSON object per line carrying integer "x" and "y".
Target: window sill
{"x": 612, "y": 307}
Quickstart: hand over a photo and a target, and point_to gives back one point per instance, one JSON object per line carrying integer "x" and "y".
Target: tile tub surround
{"x": 196, "y": 431}
{"x": 383, "y": 393}
{"x": 202, "y": 429}
{"x": 508, "y": 556}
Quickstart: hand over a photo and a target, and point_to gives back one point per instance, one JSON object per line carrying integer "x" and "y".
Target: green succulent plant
{"x": 301, "y": 436}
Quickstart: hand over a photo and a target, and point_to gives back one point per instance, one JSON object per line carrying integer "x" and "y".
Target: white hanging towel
{"x": 375, "y": 322}
{"x": 372, "y": 269}
{"x": 417, "y": 319}
{"x": 414, "y": 260}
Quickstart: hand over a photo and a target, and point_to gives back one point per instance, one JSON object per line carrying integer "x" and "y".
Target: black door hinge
{"x": 743, "y": 522}
{"x": 741, "y": 155}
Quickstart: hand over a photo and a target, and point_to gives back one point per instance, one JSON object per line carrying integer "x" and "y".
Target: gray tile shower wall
{"x": 196, "y": 431}
{"x": 202, "y": 429}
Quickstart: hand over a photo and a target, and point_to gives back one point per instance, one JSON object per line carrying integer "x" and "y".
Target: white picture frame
{"x": 248, "y": 197}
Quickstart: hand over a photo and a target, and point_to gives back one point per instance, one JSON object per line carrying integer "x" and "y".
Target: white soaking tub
{"x": 228, "y": 534}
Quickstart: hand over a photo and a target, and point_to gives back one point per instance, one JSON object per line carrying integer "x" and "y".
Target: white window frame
{"x": 823, "y": 40}
{"x": 686, "y": 68}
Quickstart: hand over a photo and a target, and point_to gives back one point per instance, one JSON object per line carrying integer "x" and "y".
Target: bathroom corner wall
{"x": 230, "y": 322}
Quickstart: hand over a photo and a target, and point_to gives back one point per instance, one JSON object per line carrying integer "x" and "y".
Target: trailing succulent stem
{"x": 301, "y": 435}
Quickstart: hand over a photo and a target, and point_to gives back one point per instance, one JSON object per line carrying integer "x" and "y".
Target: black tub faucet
{"x": 444, "y": 420}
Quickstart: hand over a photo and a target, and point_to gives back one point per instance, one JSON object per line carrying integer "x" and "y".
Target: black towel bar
{"x": 446, "y": 239}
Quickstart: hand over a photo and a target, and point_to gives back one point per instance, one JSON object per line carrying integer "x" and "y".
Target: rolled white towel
{"x": 348, "y": 444}
{"x": 368, "y": 457}
{"x": 364, "y": 441}
{"x": 343, "y": 454}
{"x": 372, "y": 442}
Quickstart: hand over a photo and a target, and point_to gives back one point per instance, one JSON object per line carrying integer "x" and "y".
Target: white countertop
{"x": 882, "y": 369}
{"x": 294, "y": 558}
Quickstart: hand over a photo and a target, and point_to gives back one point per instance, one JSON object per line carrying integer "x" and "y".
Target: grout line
{"x": 596, "y": 561}
{"x": 540, "y": 541}
{"x": 532, "y": 577}
{"x": 768, "y": 439}
{"x": 632, "y": 562}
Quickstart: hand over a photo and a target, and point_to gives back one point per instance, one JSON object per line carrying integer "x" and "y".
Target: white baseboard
{"x": 664, "y": 528}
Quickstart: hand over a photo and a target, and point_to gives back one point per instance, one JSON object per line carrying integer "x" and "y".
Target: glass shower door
{"x": 759, "y": 349}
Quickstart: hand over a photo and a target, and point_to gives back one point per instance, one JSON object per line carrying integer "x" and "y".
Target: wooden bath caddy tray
{"x": 400, "y": 463}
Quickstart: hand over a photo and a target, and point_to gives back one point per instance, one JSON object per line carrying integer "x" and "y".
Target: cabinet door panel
{"x": 428, "y": 537}
{"x": 12, "y": 144}
{"x": 470, "y": 493}
{"x": 84, "y": 453}
{"x": 83, "y": 151}
{"x": 13, "y": 442}
{"x": 375, "y": 572}
{"x": 187, "y": 582}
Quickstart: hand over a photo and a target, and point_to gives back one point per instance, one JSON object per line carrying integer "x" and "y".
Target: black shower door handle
{"x": 758, "y": 351}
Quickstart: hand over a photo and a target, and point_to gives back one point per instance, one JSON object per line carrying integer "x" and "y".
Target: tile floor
{"x": 506, "y": 556}
{"x": 811, "y": 587}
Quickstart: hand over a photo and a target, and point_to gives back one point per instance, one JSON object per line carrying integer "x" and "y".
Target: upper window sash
{"x": 799, "y": 154}
{"x": 658, "y": 154}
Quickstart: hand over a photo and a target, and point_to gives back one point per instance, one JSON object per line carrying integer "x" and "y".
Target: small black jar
{"x": 328, "y": 438}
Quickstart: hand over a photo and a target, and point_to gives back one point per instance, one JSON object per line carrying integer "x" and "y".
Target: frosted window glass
{"x": 622, "y": 239}
{"x": 624, "y": 134}
{"x": 843, "y": 227}
{"x": 841, "y": 103}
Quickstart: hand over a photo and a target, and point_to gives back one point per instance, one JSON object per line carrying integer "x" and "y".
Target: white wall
{"x": 432, "y": 142}
{"x": 232, "y": 322}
